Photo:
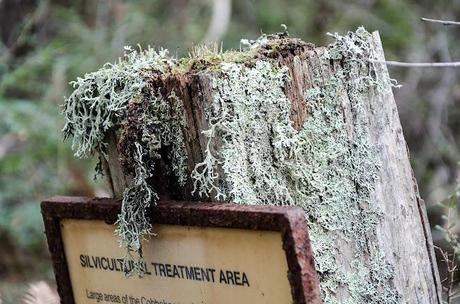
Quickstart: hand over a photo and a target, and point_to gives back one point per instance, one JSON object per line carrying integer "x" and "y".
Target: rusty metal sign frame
{"x": 290, "y": 221}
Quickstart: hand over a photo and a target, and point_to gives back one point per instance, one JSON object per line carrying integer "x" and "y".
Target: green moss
{"x": 203, "y": 58}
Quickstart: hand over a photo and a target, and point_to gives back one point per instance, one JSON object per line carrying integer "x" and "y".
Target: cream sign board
{"x": 199, "y": 253}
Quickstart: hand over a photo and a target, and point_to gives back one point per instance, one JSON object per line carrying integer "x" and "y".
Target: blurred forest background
{"x": 44, "y": 44}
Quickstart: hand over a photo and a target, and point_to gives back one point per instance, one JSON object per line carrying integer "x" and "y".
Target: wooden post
{"x": 371, "y": 238}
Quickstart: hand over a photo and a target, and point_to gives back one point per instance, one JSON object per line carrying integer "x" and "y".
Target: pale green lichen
{"x": 100, "y": 98}
{"x": 156, "y": 124}
{"x": 327, "y": 167}
{"x": 133, "y": 225}
{"x": 99, "y": 104}
{"x": 174, "y": 137}
{"x": 242, "y": 127}
{"x": 369, "y": 283}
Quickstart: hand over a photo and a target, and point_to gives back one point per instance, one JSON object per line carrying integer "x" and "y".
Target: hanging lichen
{"x": 101, "y": 103}
{"x": 151, "y": 124}
{"x": 100, "y": 99}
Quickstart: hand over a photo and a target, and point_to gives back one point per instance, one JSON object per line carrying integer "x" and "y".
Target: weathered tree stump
{"x": 284, "y": 123}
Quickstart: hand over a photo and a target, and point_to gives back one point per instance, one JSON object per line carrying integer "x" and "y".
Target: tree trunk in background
{"x": 393, "y": 260}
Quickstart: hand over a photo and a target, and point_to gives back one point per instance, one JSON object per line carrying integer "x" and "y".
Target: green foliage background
{"x": 47, "y": 43}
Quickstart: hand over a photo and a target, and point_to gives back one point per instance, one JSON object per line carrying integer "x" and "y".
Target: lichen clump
{"x": 100, "y": 103}
{"x": 100, "y": 99}
{"x": 254, "y": 154}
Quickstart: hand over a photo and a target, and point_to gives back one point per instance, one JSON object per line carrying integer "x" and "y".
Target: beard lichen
{"x": 254, "y": 155}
